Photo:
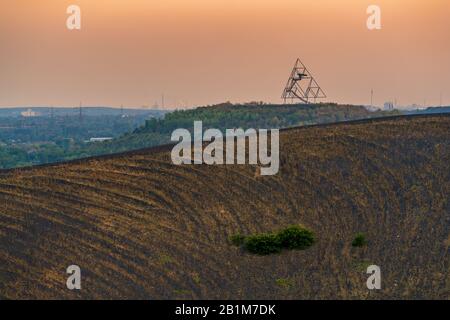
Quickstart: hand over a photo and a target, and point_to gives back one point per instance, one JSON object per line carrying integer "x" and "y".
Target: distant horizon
{"x": 159, "y": 108}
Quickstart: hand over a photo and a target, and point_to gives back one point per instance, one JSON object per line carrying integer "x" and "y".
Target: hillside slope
{"x": 140, "y": 227}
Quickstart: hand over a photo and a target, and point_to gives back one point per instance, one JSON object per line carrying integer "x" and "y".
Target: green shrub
{"x": 360, "y": 240}
{"x": 296, "y": 238}
{"x": 292, "y": 238}
{"x": 263, "y": 244}
{"x": 237, "y": 240}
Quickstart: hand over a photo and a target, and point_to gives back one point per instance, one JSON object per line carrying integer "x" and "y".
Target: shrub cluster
{"x": 292, "y": 238}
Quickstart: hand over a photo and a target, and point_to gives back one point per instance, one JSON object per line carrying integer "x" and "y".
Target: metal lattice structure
{"x": 302, "y": 85}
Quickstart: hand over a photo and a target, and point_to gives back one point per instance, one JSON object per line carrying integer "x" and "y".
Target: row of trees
{"x": 157, "y": 131}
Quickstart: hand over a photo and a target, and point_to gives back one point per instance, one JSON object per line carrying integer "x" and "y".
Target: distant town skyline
{"x": 199, "y": 52}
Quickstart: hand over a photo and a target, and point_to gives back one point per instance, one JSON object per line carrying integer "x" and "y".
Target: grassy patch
{"x": 237, "y": 240}
{"x": 165, "y": 259}
{"x": 196, "y": 278}
{"x": 285, "y": 283}
{"x": 361, "y": 266}
{"x": 181, "y": 292}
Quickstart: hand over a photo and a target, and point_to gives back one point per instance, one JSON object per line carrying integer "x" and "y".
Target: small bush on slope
{"x": 292, "y": 238}
{"x": 296, "y": 238}
{"x": 360, "y": 240}
{"x": 263, "y": 244}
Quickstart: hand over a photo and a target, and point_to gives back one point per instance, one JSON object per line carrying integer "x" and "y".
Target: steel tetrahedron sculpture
{"x": 302, "y": 85}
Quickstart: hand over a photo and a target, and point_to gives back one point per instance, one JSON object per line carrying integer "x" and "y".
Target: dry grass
{"x": 140, "y": 227}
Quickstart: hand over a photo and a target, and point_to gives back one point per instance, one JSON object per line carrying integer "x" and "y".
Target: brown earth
{"x": 140, "y": 227}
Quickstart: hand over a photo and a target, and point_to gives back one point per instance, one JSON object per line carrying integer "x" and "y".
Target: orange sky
{"x": 201, "y": 52}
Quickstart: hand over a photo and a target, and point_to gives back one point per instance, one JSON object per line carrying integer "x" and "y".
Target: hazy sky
{"x": 201, "y": 52}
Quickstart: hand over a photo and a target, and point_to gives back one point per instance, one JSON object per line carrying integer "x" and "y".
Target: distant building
{"x": 388, "y": 106}
{"x": 371, "y": 108}
{"x": 29, "y": 113}
{"x": 415, "y": 106}
{"x": 100, "y": 139}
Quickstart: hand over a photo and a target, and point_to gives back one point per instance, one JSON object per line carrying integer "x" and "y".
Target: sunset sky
{"x": 200, "y": 52}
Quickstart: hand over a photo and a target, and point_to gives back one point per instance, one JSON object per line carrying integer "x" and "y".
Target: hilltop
{"x": 140, "y": 227}
{"x": 227, "y": 115}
